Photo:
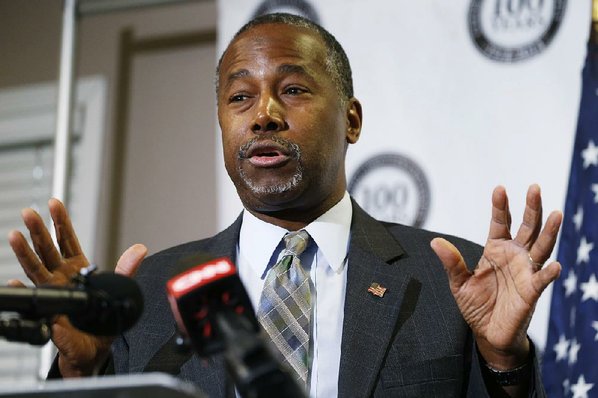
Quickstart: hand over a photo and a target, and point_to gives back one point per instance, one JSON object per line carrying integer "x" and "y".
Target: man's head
{"x": 337, "y": 63}
{"x": 287, "y": 114}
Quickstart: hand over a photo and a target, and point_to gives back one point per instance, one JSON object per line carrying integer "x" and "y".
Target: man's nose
{"x": 268, "y": 117}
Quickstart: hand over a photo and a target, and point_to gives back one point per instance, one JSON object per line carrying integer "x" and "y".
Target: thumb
{"x": 453, "y": 262}
{"x": 129, "y": 261}
{"x": 15, "y": 283}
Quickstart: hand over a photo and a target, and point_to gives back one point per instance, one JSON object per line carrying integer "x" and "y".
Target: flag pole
{"x": 594, "y": 27}
{"x": 62, "y": 139}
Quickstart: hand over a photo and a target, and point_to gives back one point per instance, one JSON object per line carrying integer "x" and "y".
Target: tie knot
{"x": 296, "y": 242}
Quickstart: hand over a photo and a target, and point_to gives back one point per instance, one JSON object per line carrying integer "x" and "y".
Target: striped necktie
{"x": 285, "y": 305}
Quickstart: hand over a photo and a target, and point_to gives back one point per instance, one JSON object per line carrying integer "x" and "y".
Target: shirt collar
{"x": 330, "y": 231}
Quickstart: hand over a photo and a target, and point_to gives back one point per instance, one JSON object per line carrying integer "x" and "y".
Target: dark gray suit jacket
{"x": 413, "y": 342}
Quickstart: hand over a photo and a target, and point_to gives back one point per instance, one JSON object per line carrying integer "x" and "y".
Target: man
{"x": 287, "y": 114}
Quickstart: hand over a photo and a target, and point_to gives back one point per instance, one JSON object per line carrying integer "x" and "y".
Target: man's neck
{"x": 290, "y": 220}
{"x": 294, "y": 219}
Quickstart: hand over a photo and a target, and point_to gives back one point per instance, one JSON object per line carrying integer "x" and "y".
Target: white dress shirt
{"x": 260, "y": 244}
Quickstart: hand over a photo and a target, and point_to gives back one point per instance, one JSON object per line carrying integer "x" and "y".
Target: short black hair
{"x": 337, "y": 63}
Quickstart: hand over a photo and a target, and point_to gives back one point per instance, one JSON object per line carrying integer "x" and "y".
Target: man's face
{"x": 284, "y": 127}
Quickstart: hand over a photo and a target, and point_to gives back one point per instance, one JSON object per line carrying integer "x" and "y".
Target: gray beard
{"x": 273, "y": 189}
{"x": 279, "y": 188}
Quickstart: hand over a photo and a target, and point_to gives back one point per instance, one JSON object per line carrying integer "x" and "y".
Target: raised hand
{"x": 79, "y": 353}
{"x": 498, "y": 298}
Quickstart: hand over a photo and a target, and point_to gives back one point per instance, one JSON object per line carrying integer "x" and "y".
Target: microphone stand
{"x": 22, "y": 330}
{"x": 255, "y": 371}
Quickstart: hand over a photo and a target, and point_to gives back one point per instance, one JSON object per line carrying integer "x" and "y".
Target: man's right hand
{"x": 80, "y": 354}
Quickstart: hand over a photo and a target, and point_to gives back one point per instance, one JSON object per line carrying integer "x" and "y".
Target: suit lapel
{"x": 370, "y": 322}
{"x": 224, "y": 244}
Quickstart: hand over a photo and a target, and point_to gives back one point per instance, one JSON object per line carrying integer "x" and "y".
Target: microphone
{"x": 102, "y": 304}
{"x": 25, "y": 331}
{"x": 202, "y": 292}
{"x": 213, "y": 311}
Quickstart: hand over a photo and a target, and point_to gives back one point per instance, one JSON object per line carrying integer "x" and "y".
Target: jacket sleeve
{"x": 478, "y": 382}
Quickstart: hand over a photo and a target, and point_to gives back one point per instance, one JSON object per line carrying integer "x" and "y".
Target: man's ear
{"x": 354, "y": 120}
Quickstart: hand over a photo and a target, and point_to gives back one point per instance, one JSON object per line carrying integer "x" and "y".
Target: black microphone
{"x": 102, "y": 304}
{"x": 199, "y": 294}
{"x": 25, "y": 331}
{"x": 213, "y": 311}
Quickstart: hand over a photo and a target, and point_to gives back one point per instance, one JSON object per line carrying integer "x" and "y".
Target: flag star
{"x": 581, "y": 388}
{"x": 566, "y": 387}
{"x": 570, "y": 283}
{"x": 578, "y": 218}
{"x": 590, "y": 155}
{"x": 583, "y": 251}
{"x": 573, "y": 349}
{"x": 590, "y": 289}
{"x": 561, "y": 348}
{"x": 595, "y": 327}
{"x": 595, "y": 190}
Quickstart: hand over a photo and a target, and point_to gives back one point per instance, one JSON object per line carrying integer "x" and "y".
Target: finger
{"x": 65, "y": 233}
{"x": 41, "y": 239}
{"x": 542, "y": 248}
{"x": 545, "y": 276}
{"x": 532, "y": 218}
{"x": 508, "y": 210}
{"x": 452, "y": 261}
{"x": 15, "y": 283}
{"x": 29, "y": 261}
{"x": 500, "y": 224}
{"x": 130, "y": 260}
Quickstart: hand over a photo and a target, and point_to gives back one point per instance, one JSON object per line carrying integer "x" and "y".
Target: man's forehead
{"x": 283, "y": 69}
{"x": 275, "y": 40}
{"x": 259, "y": 33}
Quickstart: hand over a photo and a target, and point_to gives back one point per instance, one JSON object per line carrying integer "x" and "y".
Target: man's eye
{"x": 294, "y": 90}
{"x": 238, "y": 98}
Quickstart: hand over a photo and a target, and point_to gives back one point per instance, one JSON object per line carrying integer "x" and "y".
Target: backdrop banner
{"x": 458, "y": 97}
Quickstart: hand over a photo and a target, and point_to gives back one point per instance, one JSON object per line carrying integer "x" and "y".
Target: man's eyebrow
{"x": 292, "y": 69}
{"x": 237, "y": 75}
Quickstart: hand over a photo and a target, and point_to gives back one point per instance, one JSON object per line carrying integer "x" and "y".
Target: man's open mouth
{"x": 265, "y": 154}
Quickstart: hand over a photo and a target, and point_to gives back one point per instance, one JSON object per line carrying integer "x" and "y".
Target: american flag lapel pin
{"x": 377, "y": 289}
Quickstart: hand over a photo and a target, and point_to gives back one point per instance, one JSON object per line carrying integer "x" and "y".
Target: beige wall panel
{"x": 169, "y": 190}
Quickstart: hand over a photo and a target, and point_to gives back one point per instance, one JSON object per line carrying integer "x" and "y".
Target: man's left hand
{"x": 498, "y": 298}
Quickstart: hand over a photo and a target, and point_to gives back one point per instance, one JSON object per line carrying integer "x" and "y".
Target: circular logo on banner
{"x": 514, "y": 30}
{"x": 392, "y": 187}
{"x": 298, "y": 7}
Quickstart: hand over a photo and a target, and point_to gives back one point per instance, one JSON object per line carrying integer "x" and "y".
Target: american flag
{"x": 376, "y": 289}
{"x": 570, "y": 364}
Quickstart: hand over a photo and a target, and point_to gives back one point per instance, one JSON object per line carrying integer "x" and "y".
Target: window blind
{"x": 26, "y": 164}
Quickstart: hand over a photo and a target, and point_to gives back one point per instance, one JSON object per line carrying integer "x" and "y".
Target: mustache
{"x": 287, "y": 146}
